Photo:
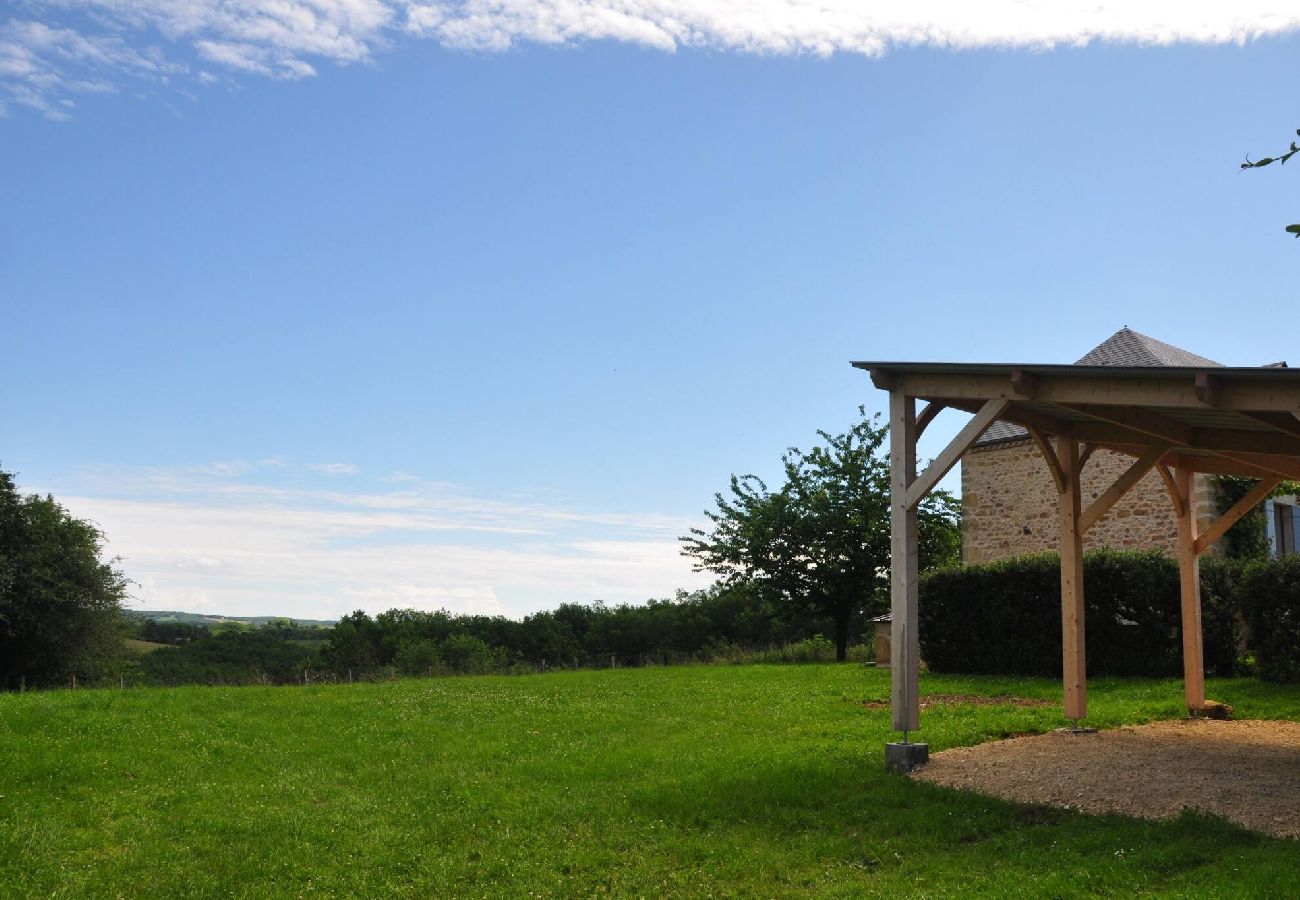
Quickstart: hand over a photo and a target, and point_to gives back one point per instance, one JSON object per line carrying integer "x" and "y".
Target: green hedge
{"x": 1270, "y": 594}
{"x": 1005, "y": 617}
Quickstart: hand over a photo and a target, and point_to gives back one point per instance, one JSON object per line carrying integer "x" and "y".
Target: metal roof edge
{"x": 1220, "y": 372}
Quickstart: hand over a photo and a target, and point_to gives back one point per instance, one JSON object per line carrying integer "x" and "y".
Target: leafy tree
{"x": 468, "y": 655}
{"x": 820, "y": 543}
{"x": 416, "y": 656}
{"x": 354, "y": 643}
{"x": 1281, "y": 159}
{"x": 60, "y": 603}
{"x": 227, "y": 657}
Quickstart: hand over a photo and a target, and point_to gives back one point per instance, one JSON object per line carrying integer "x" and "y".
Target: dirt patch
{"x": 1248, "y": 772}
{"x": 928, "y": 700}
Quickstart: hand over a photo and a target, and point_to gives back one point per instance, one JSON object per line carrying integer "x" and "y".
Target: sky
{"x": 322, "y": 305}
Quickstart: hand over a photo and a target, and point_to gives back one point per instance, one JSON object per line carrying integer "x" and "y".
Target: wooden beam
{"x": 1176, "y": 390}
{"x": 1278, "y": 464}
{"x": 1257, "y": 495}
{"x": 1086, "y": 454}
{"x": 1207, "y": 388}
{"x": 1189, "y": 577}
{"x": 905, "y": 650}
{"x": 1023, "y": 383}
{"x": 931, "y": 409}
{"x": 1209, "y": 440}
{"x": 1017, "y": 416}
{"x": 1073, "y": 650}
{"x": 1287, "y": 423}
{"x": 1217, "y": 465}
{"x": 884, "y": 379}
{"x": 1049, "y": 456}
{"x": 1139, "y": 427}
{"x": 948, "y": 458}
{"x": 1150, "y": 424}
{"x": 1172, "y": 487}
{"x": 1131, "y": 476}
{"x": 1220, "y": 441}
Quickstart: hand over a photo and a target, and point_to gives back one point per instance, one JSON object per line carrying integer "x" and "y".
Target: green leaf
{"x": 1293, "y": 229}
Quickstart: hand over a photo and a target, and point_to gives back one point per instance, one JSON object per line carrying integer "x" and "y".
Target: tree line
{"x": 805, "y": 558}
{"x": 720, "y": 623}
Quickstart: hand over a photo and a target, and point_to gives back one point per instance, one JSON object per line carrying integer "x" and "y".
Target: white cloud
{"x": 41, "y": 63}
{"x": 241, "y": 544}
{"x": 334, "y": 468}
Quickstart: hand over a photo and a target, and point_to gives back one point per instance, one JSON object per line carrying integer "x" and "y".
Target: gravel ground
{"x": 1248, "y": 771}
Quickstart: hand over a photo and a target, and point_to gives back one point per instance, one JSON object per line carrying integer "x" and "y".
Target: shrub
{"x": 468, "y": 655}
{"x": 999, "y": 617}
{"x": 230, "y": 657}
{"x": 417, "y": 657}
{"x": 1221, "y": 614}
{"x": 1005, "y": 617}
{"x": 815, "y": 649}
{"x": 1270, "y": 593}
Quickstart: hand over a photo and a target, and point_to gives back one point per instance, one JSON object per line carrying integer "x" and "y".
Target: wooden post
{"x": 1189, "y": 578}
{"x": 1073, "y": 656}
{"x": 905, "y": 647}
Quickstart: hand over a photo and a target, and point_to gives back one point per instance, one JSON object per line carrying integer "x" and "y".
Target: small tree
{"x": 60, "y": 604}
{"x": 821, "y": 542}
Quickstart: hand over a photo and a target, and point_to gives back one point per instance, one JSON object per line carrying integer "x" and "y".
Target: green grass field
{"x": 137, "y": 647}
{"x": 745, "y": 780}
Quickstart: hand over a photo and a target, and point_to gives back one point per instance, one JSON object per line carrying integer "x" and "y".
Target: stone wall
{"x": 1010, "y": 504}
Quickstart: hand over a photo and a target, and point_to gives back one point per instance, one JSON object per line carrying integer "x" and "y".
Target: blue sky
{"x": 483, "y": 322}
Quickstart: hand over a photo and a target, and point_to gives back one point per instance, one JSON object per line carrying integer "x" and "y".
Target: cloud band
{"x": 94, "y": 46}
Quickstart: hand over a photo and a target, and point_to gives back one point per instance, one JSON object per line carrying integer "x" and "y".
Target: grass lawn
{"x": 749, "y": 780}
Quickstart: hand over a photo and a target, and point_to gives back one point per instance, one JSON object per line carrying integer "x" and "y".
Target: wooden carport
{"x": 1176, "y": 420}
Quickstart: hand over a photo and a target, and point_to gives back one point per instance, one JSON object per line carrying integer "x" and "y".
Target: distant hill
{"x": 186, "y": 618}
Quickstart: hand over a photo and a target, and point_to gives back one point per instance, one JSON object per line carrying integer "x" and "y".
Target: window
{"x": 1284, "y": 524}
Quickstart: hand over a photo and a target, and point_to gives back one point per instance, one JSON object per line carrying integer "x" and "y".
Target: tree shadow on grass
{"x": 843, "y": 814}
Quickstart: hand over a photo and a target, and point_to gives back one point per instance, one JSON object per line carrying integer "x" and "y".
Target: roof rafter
{"x": 1171, "y": 431}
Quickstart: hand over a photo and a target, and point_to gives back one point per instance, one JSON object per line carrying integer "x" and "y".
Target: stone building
{"x": 1011, "y": 503}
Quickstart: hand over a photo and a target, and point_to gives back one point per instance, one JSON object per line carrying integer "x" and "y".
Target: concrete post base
{"x": 902, "y": 758}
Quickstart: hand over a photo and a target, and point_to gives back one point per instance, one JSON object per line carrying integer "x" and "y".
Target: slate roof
{"x": 1128, "y": 348}
{"x": 1125, "y": 347}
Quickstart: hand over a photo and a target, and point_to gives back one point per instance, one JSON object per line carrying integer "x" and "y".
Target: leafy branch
{"x": 1268, "y": 161}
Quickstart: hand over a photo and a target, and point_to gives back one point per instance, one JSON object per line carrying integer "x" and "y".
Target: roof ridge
{"x": 1127, "y": 347}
